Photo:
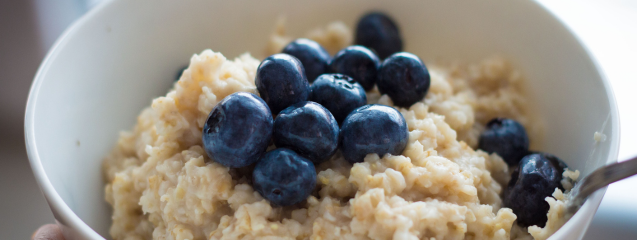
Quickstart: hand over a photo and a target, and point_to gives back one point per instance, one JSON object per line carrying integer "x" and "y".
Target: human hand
{"x": 48, "y": 232}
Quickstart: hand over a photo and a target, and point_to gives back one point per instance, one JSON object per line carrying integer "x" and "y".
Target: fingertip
{"x": 48, "y": 232}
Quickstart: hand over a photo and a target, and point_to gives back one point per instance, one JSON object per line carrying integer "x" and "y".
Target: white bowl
{"x": 114, "y": 60}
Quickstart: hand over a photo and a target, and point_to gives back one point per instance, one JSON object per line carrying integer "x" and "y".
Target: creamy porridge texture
{"x": 161, "y": 186}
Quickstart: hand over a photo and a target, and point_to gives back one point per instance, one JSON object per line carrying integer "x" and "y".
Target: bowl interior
{"x": 112, "y": 62}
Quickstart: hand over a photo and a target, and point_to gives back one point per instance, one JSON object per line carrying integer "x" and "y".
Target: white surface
{"x": 114, "y": 60}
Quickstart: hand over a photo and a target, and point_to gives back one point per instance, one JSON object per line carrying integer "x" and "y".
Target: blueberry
{"x": 309, "y": 129}
{"x": 507, "y": 138}
{"x": 338, "y": 93}
{"x": 359, "y": 63}
{"x": 284, "y": 177}
{"x": 531, "y": 182}
{"x": 377, "y": 31}
{"x": 404, "y": 78}
{"x": 561, "y": 165}
{"x": 238, "y": 130}
{"x": 281, "y": 81}
{"x": 314, "y": 58}
{"x": 373, "y": 129}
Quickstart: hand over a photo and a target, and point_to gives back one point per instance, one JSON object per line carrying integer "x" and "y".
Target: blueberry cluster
{"x": 311, "y": 105}
{"x": 535, "y": 174}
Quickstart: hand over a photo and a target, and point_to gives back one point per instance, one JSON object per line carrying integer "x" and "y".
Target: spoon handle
{"x": 599, "y": 179}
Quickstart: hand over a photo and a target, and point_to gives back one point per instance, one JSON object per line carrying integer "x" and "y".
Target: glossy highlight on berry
{"x": 536, "y": 178}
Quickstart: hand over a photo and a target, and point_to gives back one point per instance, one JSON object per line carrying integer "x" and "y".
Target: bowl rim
{"x": 593, "y": 202}
{"x": 65, "y": 216}
{"x": 61, "y": 211}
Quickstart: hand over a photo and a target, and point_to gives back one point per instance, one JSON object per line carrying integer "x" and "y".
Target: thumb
{"x": 48, "y": 232}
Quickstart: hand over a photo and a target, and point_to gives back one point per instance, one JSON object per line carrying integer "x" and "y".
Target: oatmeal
{"x": 162, "y": 185}
{"x": 599, "y": 137}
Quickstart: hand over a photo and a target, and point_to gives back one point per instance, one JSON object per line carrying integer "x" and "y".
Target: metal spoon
{"x": 599, "y": 179}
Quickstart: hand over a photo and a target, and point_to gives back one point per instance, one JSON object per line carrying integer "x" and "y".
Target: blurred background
{"x": 28, "y": 28}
